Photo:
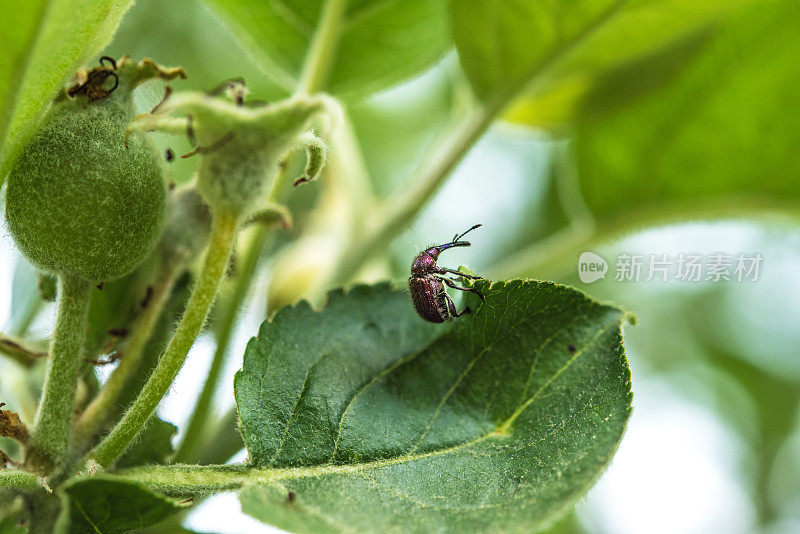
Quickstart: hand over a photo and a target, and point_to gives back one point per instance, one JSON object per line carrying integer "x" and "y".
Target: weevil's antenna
{"x": 457, "y": 237}
{"x": 455, "y": 242}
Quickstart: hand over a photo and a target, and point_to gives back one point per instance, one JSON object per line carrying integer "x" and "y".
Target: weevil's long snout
{"x": 452, "y": 244}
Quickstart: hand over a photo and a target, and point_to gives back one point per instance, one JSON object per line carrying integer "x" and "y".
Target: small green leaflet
{"x": 111, "y": 505}
{"x": 374, "y": 419}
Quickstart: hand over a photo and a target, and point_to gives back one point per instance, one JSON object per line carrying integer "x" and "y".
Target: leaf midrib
{"x": 501, "y": 431}
{"x": 205, "y": 478}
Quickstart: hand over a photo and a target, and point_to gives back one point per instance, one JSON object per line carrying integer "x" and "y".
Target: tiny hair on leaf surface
{"x": 486, "y": 422}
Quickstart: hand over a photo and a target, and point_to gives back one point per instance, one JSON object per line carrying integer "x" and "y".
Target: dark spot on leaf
{"x": 291, "y": 496}
{"x": 571, "y": 348}
{"x": 371, "y": 328}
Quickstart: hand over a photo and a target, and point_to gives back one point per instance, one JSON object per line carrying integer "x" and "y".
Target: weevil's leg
{"x": 443, "y": 270}
{"x": 451, "y": 307}
{"x": 452, "y": 284}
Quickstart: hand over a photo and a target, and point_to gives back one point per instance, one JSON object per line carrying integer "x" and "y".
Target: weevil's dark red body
{"x": 427, "y": 282}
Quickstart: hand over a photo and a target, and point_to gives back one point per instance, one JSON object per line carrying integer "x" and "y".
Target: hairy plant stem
{"x": 199, "y": 422}
{"x": 18, "y": 479}
{"x": 258, "y": 241}
{"x": 52, "y": 429}
{"x": 223, "y": 234}
{"x": 102, "y": 407}
{"x": 313, "y": 79}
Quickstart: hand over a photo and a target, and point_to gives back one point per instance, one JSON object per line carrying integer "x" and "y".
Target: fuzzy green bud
{"x": 241, "y": 148}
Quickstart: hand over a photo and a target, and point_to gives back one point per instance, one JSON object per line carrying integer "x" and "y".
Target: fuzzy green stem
{"x": 230, "y": 311}
{"x": 317, "y": 66}
{"x": 52, "y": 430}
{"x": 104, "y": 404}
{"x": 18, "y": 479}
{"x": 253, "y": 249}
{"x": 223, "y": 233}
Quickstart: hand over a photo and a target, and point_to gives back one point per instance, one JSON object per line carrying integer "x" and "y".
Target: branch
{"x": 19, "y": 479}
{"x": 96, "y": 414}
{"x": 555, "y": 255}
{"x": 217, "y": 256}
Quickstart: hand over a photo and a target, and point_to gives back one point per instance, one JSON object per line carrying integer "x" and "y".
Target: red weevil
{"x": 427, "y": 282}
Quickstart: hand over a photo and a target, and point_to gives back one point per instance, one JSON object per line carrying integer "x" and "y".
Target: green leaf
{"x": 8, "y": 525}
{"x": 154, "y": 446}
{"x": 110, "y": 505}
{"x": 715, "y": 131}
{"x": 372, "y": 417}
{"x": 503, "y": 45}
{"x": 25, "y": 297}
{"x": 43, "y": 43}
{"x": 562, "y": 103}
{"x": 113, "y": 308}
{"x": 379, "y": 43}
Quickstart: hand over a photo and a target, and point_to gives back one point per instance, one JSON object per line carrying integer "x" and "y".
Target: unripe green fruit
{"x": 79, "y": 203}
